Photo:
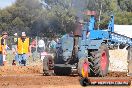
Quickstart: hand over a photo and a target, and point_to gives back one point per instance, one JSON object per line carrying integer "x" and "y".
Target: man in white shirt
{"x": 41, "y": 45}
{"x": 41, "y": 48}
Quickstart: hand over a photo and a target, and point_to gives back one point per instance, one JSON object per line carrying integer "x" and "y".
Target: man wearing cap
{"x": 23, "y": 48}
{"x": 3, "y": 52}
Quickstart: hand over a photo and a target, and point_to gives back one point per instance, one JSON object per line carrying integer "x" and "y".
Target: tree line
{"x": 56, "y": 17}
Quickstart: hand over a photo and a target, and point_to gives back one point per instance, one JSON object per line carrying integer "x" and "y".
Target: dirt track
{"x": 39, "y": 81}
{"x": 31, "y": 77}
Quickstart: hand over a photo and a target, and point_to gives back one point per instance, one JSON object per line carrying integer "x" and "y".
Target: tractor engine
{"x": 67, "y": 52}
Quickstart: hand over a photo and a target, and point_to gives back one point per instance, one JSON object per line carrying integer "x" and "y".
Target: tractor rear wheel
{"x": 100, "y": 61}
{"x": 48, "y": 65}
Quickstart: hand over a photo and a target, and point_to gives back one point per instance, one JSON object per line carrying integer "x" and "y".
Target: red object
{"x": 33, "y": 44}
{"x": 104, "y": 61}
{"x": 44, "y": 54}
{"x": 89, "y": 12}
{"x": 85, "y": 66}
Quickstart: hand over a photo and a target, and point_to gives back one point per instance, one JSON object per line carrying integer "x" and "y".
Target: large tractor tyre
{"x": 129, "y": 58}
{"x": 101, "y": 61}
{"x": 48, "y": 65}
{"x": 82, "y": 62}
{"x": 61, "y": 70}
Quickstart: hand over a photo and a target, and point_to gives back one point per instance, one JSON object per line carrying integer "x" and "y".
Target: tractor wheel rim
{"x": 103, "y": 61}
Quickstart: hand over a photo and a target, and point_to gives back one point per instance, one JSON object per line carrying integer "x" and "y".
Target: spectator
{"x": 52, "y": 45}
{"x": 23, "y": 48}
{"x": 14, "y": 49}
{"x": 41, "y": 47}
{"x": 3, "y": 52}
{"x": 33, "y": 49}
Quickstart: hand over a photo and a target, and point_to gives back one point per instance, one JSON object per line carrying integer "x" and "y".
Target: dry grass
{"x": 118, "y": 60}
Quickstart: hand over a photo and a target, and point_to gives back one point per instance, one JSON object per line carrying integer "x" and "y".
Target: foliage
{"x": 56, "y": 17}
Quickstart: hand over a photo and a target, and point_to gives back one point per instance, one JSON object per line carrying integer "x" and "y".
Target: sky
{"x": 5, "y": 3}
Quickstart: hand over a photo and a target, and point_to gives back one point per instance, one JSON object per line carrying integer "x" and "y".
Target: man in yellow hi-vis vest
{"x": 3, "y": 48}
{"x": 23, "y": 49}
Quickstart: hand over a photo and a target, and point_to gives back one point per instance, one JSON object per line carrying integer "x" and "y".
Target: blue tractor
{"x": 87, "y": 53}
{"x": 91, "y": 48}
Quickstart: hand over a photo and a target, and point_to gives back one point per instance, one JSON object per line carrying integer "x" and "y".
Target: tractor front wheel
{"x": 83, "y": 67}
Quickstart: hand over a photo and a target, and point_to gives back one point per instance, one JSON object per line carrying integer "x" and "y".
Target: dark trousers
{"x": 22, "y": 59}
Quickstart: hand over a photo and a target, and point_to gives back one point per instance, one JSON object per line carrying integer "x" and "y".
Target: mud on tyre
{"x": 100, "y": 61}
